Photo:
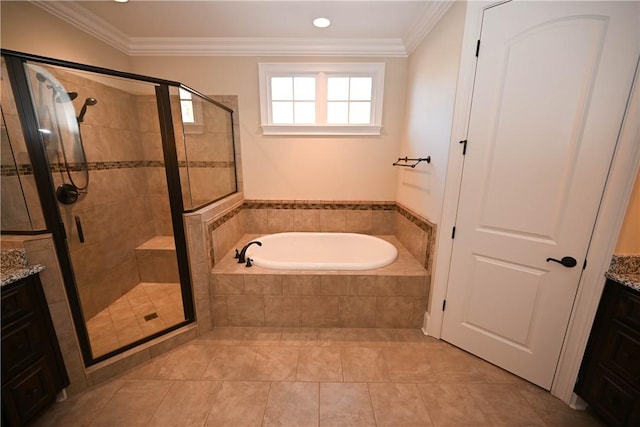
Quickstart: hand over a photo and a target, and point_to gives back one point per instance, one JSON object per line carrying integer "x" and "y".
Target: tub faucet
{"x": 243, "y": 253}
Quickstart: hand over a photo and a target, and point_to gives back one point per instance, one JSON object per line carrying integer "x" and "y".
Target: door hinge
{"x": 464, "y": 147}
{"x": 444, "y": 304}
{"x": 477, "y": 48}
{"x": 584, "y": 266}
{"x": 453, "y": 233}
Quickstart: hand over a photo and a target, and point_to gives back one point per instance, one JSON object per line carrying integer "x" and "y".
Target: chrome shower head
{"x": 87, "y": 103}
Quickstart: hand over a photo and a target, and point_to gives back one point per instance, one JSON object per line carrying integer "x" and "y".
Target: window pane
{"x": 304, "y": 88}
{"x": 338, "y": 112}
{"x": 184, "y": 94}
{"x": 338, "y": 88}
{"x": 282, "y": 88}
{"x": 282, "y": 112}
{"x": 360, "y": 89}
{"x": 187, "y": 111}
{"x": 360, "y": 112}
{"x": 305, "y": 112}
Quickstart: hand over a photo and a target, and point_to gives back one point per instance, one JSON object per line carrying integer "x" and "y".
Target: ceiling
{"x": 358, "y": 28}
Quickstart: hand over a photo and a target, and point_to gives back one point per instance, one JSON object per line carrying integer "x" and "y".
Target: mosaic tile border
{"x": 27, "y": 169}
{"x": 224, "y": 218}
{"x": 298, "y": 204}
{"x": 420, "y": 222}
{"x": 315, "y": 204}
{"x": 11, "y": 170}
{"x": 206, "y": 164}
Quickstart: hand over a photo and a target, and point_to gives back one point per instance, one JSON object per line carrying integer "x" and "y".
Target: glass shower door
{"x": 102, "y": 139}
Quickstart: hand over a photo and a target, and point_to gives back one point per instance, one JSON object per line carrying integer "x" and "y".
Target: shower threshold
{"x": 144, "y": 310}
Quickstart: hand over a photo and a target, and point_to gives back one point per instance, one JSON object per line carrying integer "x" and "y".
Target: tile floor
{"x": 315, "y": 377}
{"x": 123, "y": 322}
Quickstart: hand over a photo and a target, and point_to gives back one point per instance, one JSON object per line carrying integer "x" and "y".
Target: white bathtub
{"x": 322, "y": 251}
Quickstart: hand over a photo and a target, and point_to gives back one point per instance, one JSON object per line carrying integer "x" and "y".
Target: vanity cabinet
{"x": 33, "y": 371}
{"x": 609, "y": 379}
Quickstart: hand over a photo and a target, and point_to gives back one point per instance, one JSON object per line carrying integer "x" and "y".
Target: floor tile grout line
{"x": 319, "y": 385}
{"x": 160, "y": 403}
{"x": 266, "y": 404}
{"x": 424, "y": 404}
{"x": 212, "y": 403}
{"x": 373, "y": 409}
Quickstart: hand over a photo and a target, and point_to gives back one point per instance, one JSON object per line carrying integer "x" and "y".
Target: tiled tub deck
{"x": 394, "y": 296}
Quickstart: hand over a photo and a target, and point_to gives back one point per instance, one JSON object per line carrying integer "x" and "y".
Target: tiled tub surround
{"x": 416, "y": 234}
{"x": 394, "y": 296}
{"x": 625, "y": 269}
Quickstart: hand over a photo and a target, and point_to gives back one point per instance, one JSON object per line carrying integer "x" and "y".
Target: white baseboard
{"x": 425, "y": 321}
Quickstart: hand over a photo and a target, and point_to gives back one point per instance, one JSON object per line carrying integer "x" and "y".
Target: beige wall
{"x": 293, "y": 168}
{"x": 431, "y": 88}
{"x": 629, "y": 239}
{"x": 27, "y": 28}
{"x": 311, "y": 168}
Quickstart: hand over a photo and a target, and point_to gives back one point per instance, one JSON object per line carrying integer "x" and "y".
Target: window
{"x": 186, "y": 106}
{"x": 321, "y": 99}
{"x": 191, "y": 111}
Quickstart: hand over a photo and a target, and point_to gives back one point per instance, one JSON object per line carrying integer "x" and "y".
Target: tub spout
{"x": 243, "y": 253}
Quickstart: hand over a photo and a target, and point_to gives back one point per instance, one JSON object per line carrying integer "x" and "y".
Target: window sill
{"x": 326, "y": 130}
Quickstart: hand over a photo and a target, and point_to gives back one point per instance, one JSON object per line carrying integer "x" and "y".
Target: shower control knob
{"x": 67, "y": 194}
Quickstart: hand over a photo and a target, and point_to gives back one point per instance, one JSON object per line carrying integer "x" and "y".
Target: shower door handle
{"x": 79, "y": 228}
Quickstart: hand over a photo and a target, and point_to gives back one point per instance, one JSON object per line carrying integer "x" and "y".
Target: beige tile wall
{"x": 377, "y": 218}
{"x": 200, "y": 243}
{"x": 209, "y": 150}
{"x": 390, "y": 297}
{"x": 20, "y": 205}
{"x": 124, "y": 206}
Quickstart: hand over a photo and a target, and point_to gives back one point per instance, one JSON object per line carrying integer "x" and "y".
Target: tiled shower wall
{"x": 127, "y": 199}
{"x": 20, "y": 205}
{"x": 206, "y": 150}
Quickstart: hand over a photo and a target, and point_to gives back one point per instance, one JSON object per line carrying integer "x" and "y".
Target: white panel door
{"x": 552, "y": 82}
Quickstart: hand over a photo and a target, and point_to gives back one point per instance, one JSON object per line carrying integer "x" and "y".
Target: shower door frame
{"x": 15, "y": 62}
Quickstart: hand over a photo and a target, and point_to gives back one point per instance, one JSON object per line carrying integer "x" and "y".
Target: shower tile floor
{"x": 144, "y": 310}
{"x": 237, "y": 376}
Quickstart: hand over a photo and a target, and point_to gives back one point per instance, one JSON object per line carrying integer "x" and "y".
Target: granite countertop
{"x": 625, "y": 269}
{"x": 13, "y": 266}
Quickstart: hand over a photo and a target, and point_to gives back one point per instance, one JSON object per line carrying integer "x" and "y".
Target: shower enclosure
{"x": 116, "y": 159}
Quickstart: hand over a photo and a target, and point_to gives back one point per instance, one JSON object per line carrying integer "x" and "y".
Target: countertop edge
{"x": 626, "y": 279}
{"x": 11, "y": 275}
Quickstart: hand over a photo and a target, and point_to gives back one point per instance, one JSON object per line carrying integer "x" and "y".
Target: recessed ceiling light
{"x": 121, "y": 1}
{"x": 321, "y": 22}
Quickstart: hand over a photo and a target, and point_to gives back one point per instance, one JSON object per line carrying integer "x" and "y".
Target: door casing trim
{"x": 616, "y": 196}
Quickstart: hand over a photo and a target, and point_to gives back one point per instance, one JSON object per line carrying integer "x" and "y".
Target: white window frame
{"x": 321, "y": 71}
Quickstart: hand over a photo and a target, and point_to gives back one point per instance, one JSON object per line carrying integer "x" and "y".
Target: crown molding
{"x": 88, "y": 22}
{"x": 212, "y": 46}
{"x": 433, "y": 12}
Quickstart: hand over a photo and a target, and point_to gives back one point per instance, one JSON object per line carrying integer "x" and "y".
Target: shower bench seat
{"x": 157, "y": 262}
